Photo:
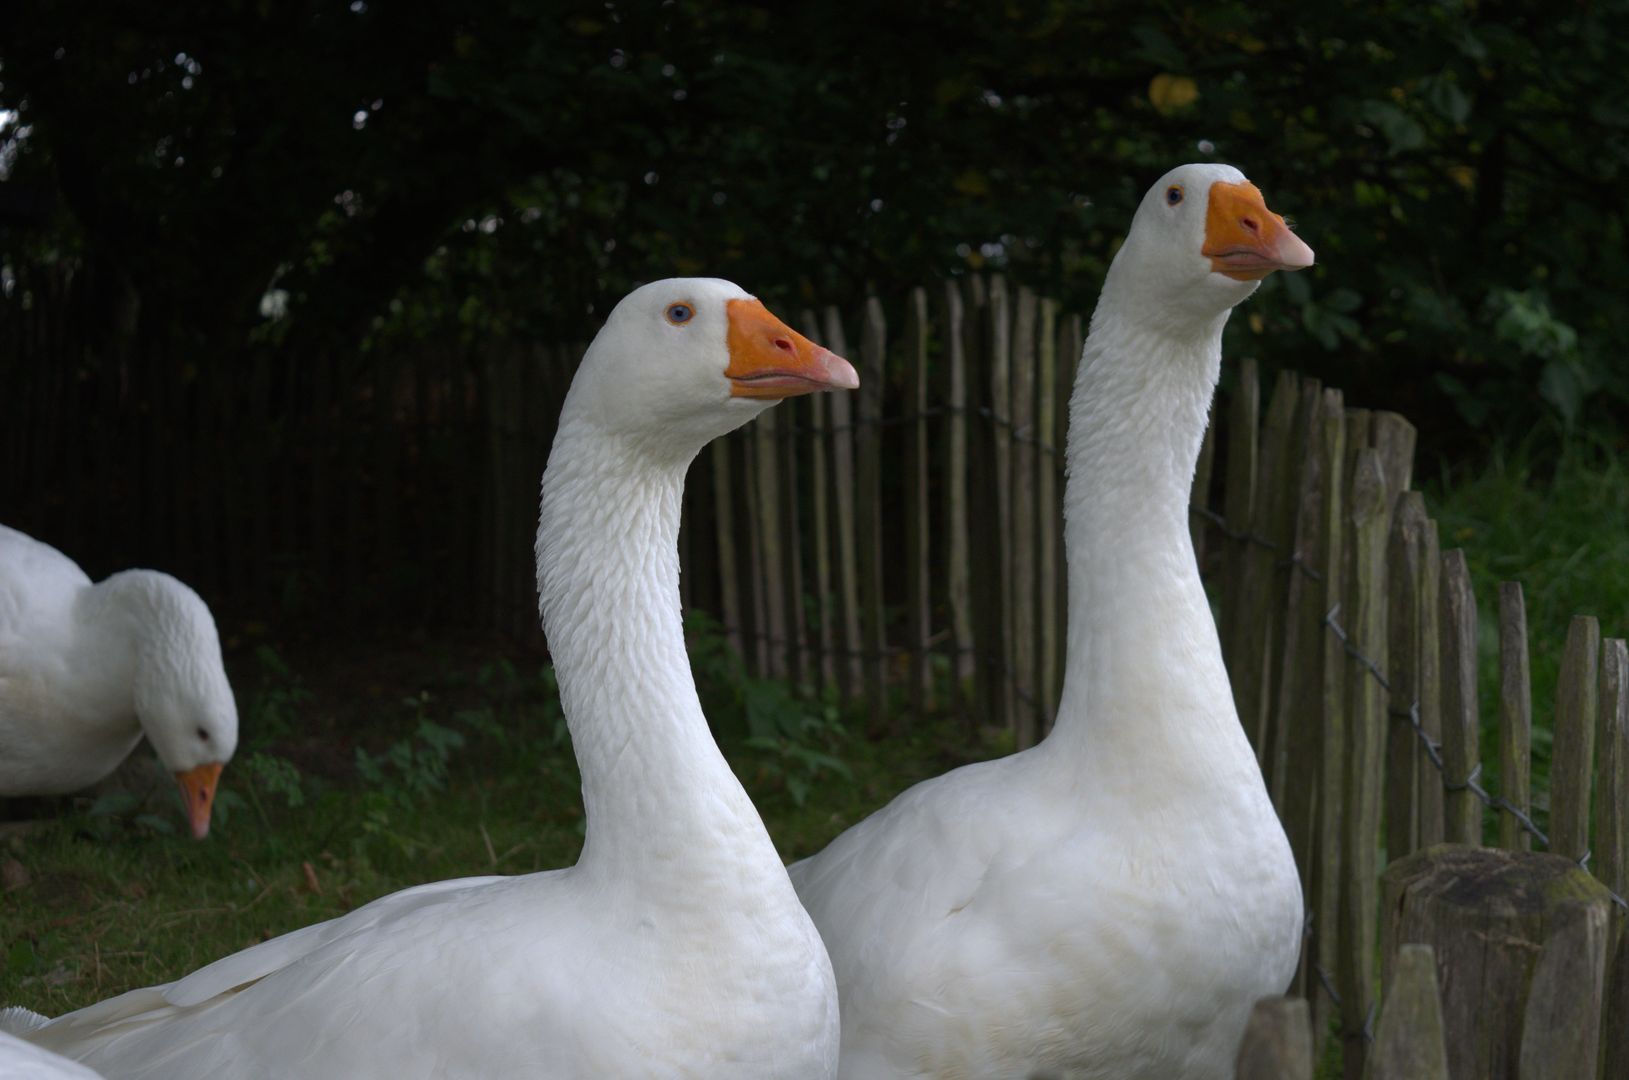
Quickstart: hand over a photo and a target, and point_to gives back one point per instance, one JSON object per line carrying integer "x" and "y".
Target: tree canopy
{"x": 354, "y": 172}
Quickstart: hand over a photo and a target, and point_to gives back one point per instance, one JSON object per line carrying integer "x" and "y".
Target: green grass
{"x": 1559, "y": 524}
{"x": 361, "y": 776}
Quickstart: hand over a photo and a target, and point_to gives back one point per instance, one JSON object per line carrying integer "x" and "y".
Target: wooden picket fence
{"x": 976, "y": 387}
{"x": 1351, "y": 643}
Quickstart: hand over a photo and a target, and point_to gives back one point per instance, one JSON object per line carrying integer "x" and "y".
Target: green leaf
{"x": 1448, "y": 99}
{"x": 1403, "y": 133}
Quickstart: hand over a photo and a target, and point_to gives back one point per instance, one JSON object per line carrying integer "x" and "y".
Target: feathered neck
{"x": 654, "y": 783}
{"x": 1146, "y": 701}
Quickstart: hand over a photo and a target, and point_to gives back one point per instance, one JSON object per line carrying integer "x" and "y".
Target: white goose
{"x": 86, "y": 670}
{"x": 1109, "y": 903}
{"x": 675, "y": 947}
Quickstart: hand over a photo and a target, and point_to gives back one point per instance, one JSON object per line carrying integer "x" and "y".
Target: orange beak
{"x": 768, "y": 359}
{"x": 1246, "y": 241}
{"x": 198, "y": 792}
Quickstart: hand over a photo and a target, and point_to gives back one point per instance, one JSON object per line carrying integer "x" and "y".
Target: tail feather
{"x": 20, "y": 1021}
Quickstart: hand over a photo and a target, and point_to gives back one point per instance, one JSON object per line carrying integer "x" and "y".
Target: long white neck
{"x": 655, "y": 787}
{"x": 1145, "y": 694}
{"x": 106, "y": 639}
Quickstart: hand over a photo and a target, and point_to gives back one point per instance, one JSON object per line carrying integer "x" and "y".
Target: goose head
{"x": 682, "y": 361}
{"x": 1201, "y": 241}
{"x": 180, "y": 691}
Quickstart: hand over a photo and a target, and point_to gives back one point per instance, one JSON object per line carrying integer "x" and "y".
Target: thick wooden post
{"x": 1521, "y": 939}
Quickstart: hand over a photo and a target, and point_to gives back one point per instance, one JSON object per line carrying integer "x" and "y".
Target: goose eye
{"x": 203, "y": 734}
{"x": 1173, "y": 194}
{"x": 679, "y": 314}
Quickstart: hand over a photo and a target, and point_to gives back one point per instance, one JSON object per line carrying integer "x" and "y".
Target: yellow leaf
{"x": 1257, "y": 323}
{"x": 1463, "y": 175}
{"x": 1169, "y": 92}
{"x": 973, "y": 182}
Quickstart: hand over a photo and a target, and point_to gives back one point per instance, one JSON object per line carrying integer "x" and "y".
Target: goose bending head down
{"x": 1109, "y": 903}
{"x": 675, "y": 947}
{"x": 86, "y": 670}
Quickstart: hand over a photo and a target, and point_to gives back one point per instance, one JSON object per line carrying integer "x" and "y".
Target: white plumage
{"x": 86, "y": 670}
{"x": 675, "y": 947}
{"x": 23, "y": 1061}
{"x": 1108, "y": 904}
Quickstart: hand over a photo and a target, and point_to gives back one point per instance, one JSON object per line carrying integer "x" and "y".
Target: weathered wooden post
{"x": 1277, "y": 1043}
{"x": 1522, "y": 939}
{"x": 1409, "y": 1041}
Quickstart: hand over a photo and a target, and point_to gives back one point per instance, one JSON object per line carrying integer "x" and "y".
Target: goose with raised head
{"x": 1108, "y": 904}
{"x": 675, "y": 947}
{"x": 86, "y": 670}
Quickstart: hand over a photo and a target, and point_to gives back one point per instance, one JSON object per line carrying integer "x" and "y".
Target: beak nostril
{"x": 1250, "y": 224}
{"x": 784, "y": 345}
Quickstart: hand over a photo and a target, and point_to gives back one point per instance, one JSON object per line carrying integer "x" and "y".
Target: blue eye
{"x": 679, "y": 314}
{"x": 1173, "y": 194}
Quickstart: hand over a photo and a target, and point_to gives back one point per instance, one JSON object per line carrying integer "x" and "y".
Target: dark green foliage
{"x": 461, "y": 170}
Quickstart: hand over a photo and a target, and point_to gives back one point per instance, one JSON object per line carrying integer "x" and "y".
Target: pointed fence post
{"x": 1049, "y": 516}
{"x": 1409, "y": 1041}
{"x": 1576, "y": 697}
{"x": 820, "y": 528}
{"x": 1022, "y": 601}
{"x": 842, "y": 461}
{"x": 1429, "y": 821}
{"x": 958, "y": 575}
{"x": 1403, "y": 670}
{"x": 1515, "y": 715}
{"x": 1243, "y": 434}
{"x": 999, "y": 333}
{"x": 868, "y": 514}
{"x": 1260, "y": 598}
{"x": 1365, "y": 614}
{"x": 1277, "y": 1042}
{"x": 918, "y": 558}
{"x": 1459, "y": 709}
{"x": 1331, "y": 794}
{"x": 1199, "y": 497}
{"x": 1300, "y": 690}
